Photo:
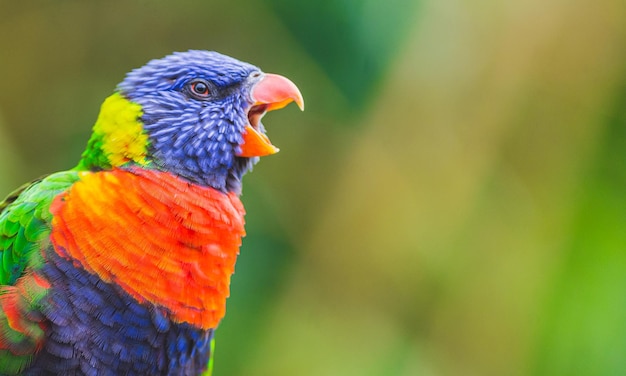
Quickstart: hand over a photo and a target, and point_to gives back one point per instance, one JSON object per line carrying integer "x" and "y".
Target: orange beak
{"x": 273, "y": 92}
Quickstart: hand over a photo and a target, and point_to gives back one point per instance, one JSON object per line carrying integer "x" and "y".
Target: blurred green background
{"x": 451, "y": 202}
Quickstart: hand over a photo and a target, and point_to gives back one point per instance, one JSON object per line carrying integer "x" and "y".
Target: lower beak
{"x": 256, "y": 144}
{"x": 272, "y": 92}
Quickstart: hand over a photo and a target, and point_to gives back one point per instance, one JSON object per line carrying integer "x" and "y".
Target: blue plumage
{"x": 122, "y": 265}
{"x": 196, "y": 137}
{"x": 132, "y": 338}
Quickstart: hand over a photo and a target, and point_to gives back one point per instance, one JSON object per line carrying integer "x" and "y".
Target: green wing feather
{"x": 16, "y": 193}
{"x": 25, "y": 222}
{"x": 24, "y": 230}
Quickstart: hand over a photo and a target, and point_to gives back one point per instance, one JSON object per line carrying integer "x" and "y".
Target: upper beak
{"x": 272, "y": 92}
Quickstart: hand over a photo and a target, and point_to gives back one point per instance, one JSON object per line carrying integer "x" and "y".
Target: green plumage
{"x": 131, "y": 273}
{"x": 24, "y": 222}
{"x": 24, "y": 230}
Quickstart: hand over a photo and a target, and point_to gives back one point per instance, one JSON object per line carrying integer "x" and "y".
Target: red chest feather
{"x": 162, "y": 239}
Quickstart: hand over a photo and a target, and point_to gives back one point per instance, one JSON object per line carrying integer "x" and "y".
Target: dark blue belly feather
{"x": 95, "y": 328}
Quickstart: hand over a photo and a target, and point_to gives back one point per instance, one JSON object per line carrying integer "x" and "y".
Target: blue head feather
{"x": 196, "y": 138}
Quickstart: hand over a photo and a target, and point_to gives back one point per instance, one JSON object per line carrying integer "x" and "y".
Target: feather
{"x": 122, "y": 265}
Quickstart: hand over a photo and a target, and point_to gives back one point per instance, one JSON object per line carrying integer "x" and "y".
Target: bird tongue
{"x": 272, "y": 92}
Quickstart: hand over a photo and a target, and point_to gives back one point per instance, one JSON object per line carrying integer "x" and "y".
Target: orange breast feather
{"x": 161, "y": 239}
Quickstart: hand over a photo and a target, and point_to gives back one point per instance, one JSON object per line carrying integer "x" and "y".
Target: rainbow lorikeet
{"x": 122, "y": 265}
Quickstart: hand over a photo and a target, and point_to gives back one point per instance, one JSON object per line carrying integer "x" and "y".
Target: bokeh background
{"x": 451, "y": 202}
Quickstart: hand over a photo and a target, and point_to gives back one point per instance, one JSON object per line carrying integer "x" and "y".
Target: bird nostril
{"x": 256, "y": 75}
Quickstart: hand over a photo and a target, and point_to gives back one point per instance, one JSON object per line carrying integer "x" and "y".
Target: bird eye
{"x": 200, "y": 89}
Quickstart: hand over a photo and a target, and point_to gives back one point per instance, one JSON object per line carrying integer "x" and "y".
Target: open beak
{"x": 273, "y": 92}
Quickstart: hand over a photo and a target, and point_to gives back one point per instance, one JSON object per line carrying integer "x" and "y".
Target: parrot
{"x": 122, "y": 264}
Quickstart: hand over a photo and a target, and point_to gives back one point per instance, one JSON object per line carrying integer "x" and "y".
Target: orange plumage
{"x": 123, "y": 264}
{"x": 138, "y": 245}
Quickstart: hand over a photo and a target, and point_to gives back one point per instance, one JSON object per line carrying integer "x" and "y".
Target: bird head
{"x": 195, "y": 114}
